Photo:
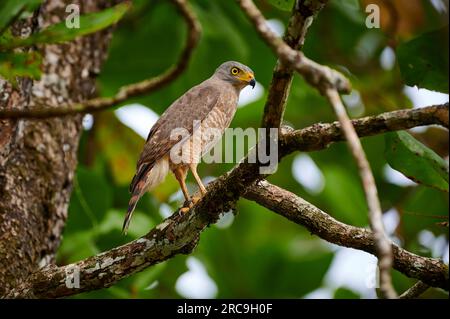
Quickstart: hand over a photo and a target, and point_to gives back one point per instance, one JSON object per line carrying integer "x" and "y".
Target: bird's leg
{"x": 193, "y": 168}
{"x": 180, "y": 174}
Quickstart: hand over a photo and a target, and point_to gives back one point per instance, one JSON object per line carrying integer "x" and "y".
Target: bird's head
{"x": 236, "y": 73}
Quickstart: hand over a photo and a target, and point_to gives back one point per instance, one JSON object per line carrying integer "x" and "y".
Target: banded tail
{"x": 145, "y": 179}
{"x": 131, "y": 206}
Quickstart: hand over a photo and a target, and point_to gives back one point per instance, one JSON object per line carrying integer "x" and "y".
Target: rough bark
{"x": 127, "y": 91}
{"x": 38, "y": 158}
{"x": 180, "y": 233}
{"x": 321, "y": 135}
{"x": 415, "y": 291}
{"x": 431, "y": 271}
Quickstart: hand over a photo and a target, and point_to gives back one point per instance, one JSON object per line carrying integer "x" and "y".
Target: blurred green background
{"x": 258, "y": 253}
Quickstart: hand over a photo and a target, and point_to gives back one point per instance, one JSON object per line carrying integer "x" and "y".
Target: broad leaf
{"x": 286, "y": 5}
{"x": 11, "y": 9}
{"x": 120, "y": 146}
{"x": 423, "y": 61}
{"x": 336, "y": 198}
{"x": 344, "y": 293}
{"x": 21, "y": 64}
{"x": 59, "y": 32}
{"x": 416, "y": 161}
{"x": 91, "y": 199}
{"x": 423, "y": 208}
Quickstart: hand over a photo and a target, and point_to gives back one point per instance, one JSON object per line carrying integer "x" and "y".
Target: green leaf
{"x": 76, "y": 246}
{"x": 285, "y": 5}
{"x": 11, "y": 9}
{"x": 339, "y": 187}
{"x": 20, "y": 64}
{"x": 344, "y": 293}
{"x": 59, "y": 32}
{"x": 350, "y": 9}
{"x": 120, "y": 145}
{"x": 91, "y": 199}
{"x": 423, "y": 208}
{"x": 416, "y": 161}
{"x": 423, "y": 61}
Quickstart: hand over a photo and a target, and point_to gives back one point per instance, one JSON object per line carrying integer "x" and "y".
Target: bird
{"x": 208, "y": 105}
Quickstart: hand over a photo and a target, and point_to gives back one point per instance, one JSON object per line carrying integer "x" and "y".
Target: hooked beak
{"x": 252, "y": 83}
{"x": 249, "y": 78}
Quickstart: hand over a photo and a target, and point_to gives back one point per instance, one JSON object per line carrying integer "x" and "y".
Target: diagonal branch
{"x": 299, "y": 22}
{"x": 128, "y": 91}
{"x": 329, "y": 83}
{"x": 382, "y": 242}
{"x": 431, "y": 271}
{"x": 319, "y": 76}
{"x": 179, "y": 234}
{"x": 415, "y": 291}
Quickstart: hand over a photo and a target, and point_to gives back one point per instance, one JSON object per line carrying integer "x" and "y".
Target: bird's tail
{"x": 142, "y": 182}
{"x": 131, "y": 206}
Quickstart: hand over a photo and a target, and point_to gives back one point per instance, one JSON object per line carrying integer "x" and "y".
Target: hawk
{"x": 209, "y": 105}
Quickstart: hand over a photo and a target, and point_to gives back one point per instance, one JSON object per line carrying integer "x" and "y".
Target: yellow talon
{"x": 184, "y": 210}
{"x": 195, "y": 200}
{"x": 189, "y": 204}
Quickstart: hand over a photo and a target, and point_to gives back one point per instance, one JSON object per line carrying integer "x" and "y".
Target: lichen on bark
{"x": 38, "y": 158}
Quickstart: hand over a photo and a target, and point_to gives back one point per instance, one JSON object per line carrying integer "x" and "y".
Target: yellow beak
{"x": 249, "y": 78}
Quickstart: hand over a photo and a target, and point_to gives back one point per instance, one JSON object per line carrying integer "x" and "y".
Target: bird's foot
{"x": 188, "y": 204}
{"x": 183, "y": 210}
{"x": 195, "y": 199}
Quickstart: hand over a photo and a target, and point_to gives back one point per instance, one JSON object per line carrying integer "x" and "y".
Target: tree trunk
{"x": 38, "y": 157}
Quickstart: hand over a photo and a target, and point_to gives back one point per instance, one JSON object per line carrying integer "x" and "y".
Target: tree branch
{"x": 415, "y": 291}
{"x": 329, "y": 83}
{"x": 179, "y": 234}
{"x": 128, "y": 91}
{"x": 301, "y": 18}
{"x": 429, "y": 270}
{"x": 382, "y": 242}
{"x": 322, "y": 135}
{"x": 319, "y": 76}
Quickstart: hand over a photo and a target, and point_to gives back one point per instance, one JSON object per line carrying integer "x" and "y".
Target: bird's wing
{"x": 194, "y": 105}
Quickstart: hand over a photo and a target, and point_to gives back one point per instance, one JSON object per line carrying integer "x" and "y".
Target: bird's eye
{"x": 234, "y": 71}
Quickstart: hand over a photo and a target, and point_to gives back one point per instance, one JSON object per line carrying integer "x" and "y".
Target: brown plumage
{"x": 211, "y": 104}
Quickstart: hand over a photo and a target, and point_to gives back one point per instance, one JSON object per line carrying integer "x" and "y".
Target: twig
{"x": 384, "y": 250}
{"x": 179, "y": 234}
{"x": 415, "y": 291}
{"x": 319, "y": 76}
{"x": 329, "y": 83}
{"x": 430, "y": 270}
{"x": 301, "y": 18}
{"x": 128, "y": 91}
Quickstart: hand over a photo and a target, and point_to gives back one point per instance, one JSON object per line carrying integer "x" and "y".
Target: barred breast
{"x": 209, "y": 132}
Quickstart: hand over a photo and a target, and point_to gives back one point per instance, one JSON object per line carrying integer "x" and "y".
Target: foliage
{"x": 261, "y": 254}
{"x": 283, "y": 4}
{"x": 416, "y": 161}
{"x": 59, "y": 32}
{"x": 423, "y": 64}
{"x": 23, "y": 64}
{"x": 12, "y": 9}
